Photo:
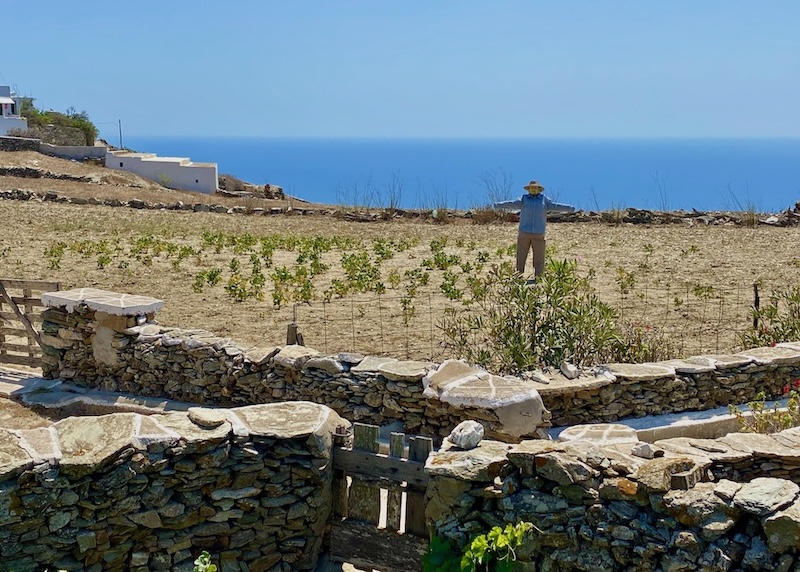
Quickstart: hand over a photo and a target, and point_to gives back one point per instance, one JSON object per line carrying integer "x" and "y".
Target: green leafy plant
{"x": 449, "y": 286}
{"x": 103, "y": 260}
{"x": 777, "y": 321}
{"x": 507, "y": 325}
{"x": 204, "y": 564}
{"x": 71, "y": 118}
{"x": 442, "y": 556}
{"x": 394, "y": 278}
{"x": 625, "y": 281}
{"x": 54, "y": 253}
{"x": 763, "y": 419}
{"x": 642, "y": 343}
{"x": 494, "y": 551}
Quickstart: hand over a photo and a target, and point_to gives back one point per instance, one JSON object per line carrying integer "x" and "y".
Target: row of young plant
{"x": 252, "y": 266}
{"x": 494, "y": 319}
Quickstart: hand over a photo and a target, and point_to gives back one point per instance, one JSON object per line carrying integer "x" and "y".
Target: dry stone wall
{"x": 694, "y": 384}
{"x": 18, "y": 144}
{"x": 710, "y": 505}
{"x": 600, "y": 503}
{"x": 129, "y": 492}
{"x": 129, "y": 353}
{"x": 788, "y": 217}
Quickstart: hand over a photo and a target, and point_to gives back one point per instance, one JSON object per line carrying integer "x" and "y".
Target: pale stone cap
{"x": 112, "y": 303}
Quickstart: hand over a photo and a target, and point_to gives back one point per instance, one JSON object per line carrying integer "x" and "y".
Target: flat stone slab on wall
{"x": 516, "y": 403}
{"x": 112, "y": 303}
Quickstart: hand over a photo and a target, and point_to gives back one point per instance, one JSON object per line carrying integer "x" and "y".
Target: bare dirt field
{"x": 224, "y": 272}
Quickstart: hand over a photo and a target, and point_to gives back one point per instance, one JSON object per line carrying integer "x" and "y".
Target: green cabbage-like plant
{"x": 203, "y": 563}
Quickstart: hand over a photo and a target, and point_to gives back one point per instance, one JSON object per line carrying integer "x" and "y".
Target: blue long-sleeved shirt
{"x": 533, "y": 211}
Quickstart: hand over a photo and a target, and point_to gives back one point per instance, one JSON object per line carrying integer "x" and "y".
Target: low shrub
{"x": 776, "y": 321}
{"x": 508, "y": 325}
{"x": 763, "y": 419}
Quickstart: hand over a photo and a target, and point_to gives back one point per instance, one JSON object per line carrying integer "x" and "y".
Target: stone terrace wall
{"x": 18, "y": 144}
{"x": 711, "y": 505}
{"x": 130, "y": 492}
{"x": 129, "y": 353}
{"x": 133, "y": 354}
{"x": 694, "y": 384}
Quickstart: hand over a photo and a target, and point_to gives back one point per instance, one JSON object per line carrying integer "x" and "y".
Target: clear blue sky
{"x": 413, "y": 68}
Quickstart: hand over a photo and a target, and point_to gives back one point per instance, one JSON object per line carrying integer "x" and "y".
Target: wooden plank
{"x": 27, "y": 301}
{"x": 418, "y": 450}
{"x": 26, "y": 348}
{"x": 11, "y": 316}
{"x": 17, "y": 332}
{"x": 380, "y": 466}
{"x": 367, "y": 547}
{"x": 394, "y": 493}
{"x": 42, "y": 285}
{"x": 28, "y": 326}
{"x": 21, "y": 360}
{"x": 29, "y": 310}
{"x": 2, "y": 334}
{"x": 364, "y": 499}
{"x": 339, "y": 484}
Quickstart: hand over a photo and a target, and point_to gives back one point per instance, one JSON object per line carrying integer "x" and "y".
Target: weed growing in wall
{"x": 204, "y": 564}
{"x": 763, "y": 419}
{"x": 494, "y": 551}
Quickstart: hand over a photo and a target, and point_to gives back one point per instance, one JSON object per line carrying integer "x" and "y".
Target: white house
{"x": 10, "y": 109}
{"x": 172, "y": 172}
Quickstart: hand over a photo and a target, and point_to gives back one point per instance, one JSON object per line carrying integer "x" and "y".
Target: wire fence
{"x": 695, "y": 320}
{"x": 692, "y": 320}
{"x": 395, "y": 326}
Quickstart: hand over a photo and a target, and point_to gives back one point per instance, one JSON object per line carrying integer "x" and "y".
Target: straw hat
{"x": 534, "y": 186}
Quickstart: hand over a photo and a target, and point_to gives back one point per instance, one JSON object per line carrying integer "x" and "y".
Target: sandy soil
{"x": 696, "y": 283}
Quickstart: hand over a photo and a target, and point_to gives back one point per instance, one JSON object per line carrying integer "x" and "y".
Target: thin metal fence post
{"x": 430, "y": 316}
{"x": 325, "y": 326}
{"x": 380, "y": 321}
{"x": 353, "y": 320}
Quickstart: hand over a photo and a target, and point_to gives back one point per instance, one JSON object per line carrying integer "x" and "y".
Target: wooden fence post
{"x": 364, "y": 500}
{"x": 418, "y": 450}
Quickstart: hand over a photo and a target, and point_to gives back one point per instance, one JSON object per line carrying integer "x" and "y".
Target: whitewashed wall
{"x": 77, "y": 152}
{"x": 172, "y": 172}
{"x": 9, "y": 123}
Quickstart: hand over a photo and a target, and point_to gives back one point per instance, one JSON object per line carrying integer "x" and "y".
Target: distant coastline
{"x": 593, "y": 174}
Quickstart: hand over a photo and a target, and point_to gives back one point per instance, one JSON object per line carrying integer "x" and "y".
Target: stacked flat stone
{"x": 704, "y": 505}
{"x": 128, "y": 492}
{"x": 88, "y": 345}
{"x": 694, "y": 384}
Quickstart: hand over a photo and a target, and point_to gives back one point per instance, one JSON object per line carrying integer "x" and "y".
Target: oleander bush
{"x": 508, "y": 324}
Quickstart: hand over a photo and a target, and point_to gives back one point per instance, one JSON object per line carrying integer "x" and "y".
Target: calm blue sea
{"x": 706, "y": 174}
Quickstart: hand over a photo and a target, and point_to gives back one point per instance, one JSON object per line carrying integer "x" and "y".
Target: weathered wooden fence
{"x": 20, "y": 320}
{"x": 379, "y": 501}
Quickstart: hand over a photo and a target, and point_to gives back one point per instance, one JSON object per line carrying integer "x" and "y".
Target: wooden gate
{"x": 20, "y": 320}
{"x": 379, "y": 501}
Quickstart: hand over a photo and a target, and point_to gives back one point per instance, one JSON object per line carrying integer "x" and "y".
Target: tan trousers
{"x": 526, "y": 241}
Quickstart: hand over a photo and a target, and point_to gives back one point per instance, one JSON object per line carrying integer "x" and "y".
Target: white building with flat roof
{"x": 172, "y": 172}
{"x": 10, "y": 109}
